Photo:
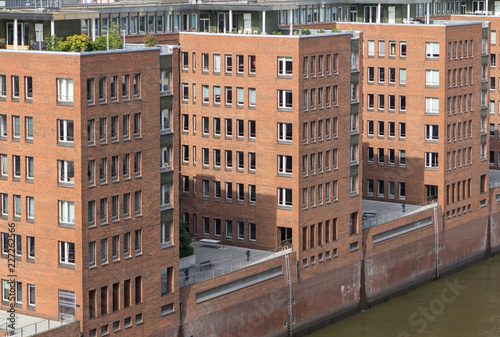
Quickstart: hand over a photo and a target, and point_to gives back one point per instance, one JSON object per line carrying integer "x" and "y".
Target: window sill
{"x": 286, "y": 208}
{"x": 66, "y": 266}
{"x": 66, "y": 225}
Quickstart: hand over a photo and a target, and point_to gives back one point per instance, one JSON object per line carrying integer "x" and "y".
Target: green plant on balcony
{"x": 305, "y": 31}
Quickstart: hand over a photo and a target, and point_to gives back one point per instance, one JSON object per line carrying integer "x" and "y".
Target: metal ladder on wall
{"x": 289, "y": 297}
{"x": 436, "y": 241}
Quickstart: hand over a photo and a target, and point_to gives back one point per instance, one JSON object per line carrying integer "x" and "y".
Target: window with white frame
{"x": 66, "y": 212}
{"x": 285, "y": 99}
{"x": 284, "y": 197}
{"x": 64, "y": 90}
{"x": 66, "y": 252}
{"x": 432, "y": 105}
{"x": 432, "y": 49}
{"x": 66, "y": 131}
{"x": 431, "y": 159}
{"x": 66, "y": 171}
{"x": 285, "y": 66}
{"x": 432, "y": 78}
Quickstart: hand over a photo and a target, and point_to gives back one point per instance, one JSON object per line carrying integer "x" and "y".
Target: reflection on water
{"x": 463, "y": 304}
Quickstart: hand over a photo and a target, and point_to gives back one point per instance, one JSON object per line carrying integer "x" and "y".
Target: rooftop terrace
{"x": 28, "y": 325}
{"x": 225, "y": 259}
{"x": 376, "y": 213}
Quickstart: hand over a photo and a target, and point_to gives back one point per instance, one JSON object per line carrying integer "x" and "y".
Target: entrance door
{"x": 67, "y": 304}
{"x": 392, "y": 14}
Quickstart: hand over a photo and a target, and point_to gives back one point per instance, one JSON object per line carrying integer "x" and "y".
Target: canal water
{"x": 463, "y": 304}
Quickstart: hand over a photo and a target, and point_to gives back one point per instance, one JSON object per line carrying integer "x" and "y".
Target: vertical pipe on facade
{"x": 15, "y": 34}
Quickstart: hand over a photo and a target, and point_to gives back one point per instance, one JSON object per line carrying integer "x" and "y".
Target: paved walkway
{"x": 225, "y": 259}
{"x": 384, "y": 212}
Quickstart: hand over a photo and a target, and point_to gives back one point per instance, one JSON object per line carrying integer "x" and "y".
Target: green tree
{"x": 185, "y": 248}
{"x": 53, "y": 42}
{"x": 150, "y": 40}
{"x": 114, "y": 40}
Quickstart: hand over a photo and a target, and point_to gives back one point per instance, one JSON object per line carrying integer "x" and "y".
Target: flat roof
{"x": 376, "y": 213}
{"x": 224, "y": 259}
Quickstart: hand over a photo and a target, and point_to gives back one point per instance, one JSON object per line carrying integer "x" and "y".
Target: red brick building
{"x": 81, "y": 182}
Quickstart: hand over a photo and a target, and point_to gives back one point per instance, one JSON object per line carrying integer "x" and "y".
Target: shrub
{"x": 150, "y": 40}
{"x": 336, "y": 30}
{"x": 305, "y": 31}
{"x": 185, "y": 248}
{"x": 2, "y": 45}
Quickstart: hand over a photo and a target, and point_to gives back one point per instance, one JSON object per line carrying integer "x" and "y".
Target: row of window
{"x": 455, "y": 131}
{"x": 390, "y": 77}
{"x": 127, "y": 323}
{"x": 458, "y": 191}
{"x": 462, "y": 103}
{"x": 215, "y": 230}
{"x": 319, "y": 195}
{"x": 250, "y": 193}
{"x": 29, "y": 245}
{"x": 390, "y": 48}
{"x": 327, "y": 256}
{"x": 328, "y": 128}
{"x": 109, "y": 88}
{"x": 239, "y": 65}
{"x": 460, "y": 49}
{"x": 118, "y": 248}
{"x": 313, "y": 99}
{"x": 216, "y": 94}
{"x": 16, "y": 129}
{"x": 391, "y": 186}
{"x": 217, "y": 158}
{"x": 140, "y": 23}
{"x": 15, "y": 290}
{"x": 391, "y": 156}
{"x": 103, "y": 210}
{"x": 458, "y": 77}
{"x": 315, "y": 162}
{"x": 459, "y": 158}
{"x": 112, "y": 168}
{"x": 319, "y": 65}
{"x": 17, "y": 168}
{"x": 17, "y": 207}
{"x": 16, "y": 88}
{"x": 109, "y": 298}
{"x": 462, "y": 210}
{"x": 391, "y": 129}
{"x": 216, "y": 127}
{"x": 106, "y": 131}
{"x": 319, "y": 234}
{"x": 391, "y": 102}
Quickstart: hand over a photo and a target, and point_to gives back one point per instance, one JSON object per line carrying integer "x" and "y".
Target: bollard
{"x": 248, "y": 255}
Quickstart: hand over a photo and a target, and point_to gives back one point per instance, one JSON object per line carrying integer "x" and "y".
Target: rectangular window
{"x": 137, "y": 85}
{"x": 28, "y": 90}
{"x": 125, "y": 85}
{"x": 65, "y": 131}
{"x": 284, "y": 99}
{"x": 166, "y": 233}
{"x": 66, "y": 171}
{"x": 381, "y": 48}
{"x": 285, "y": 66}
{"x": 284, "y": 197}
{"x": 66, "y": 252}
{"x": 66, "y": 212}
{"x": 16, "y": 127}
{"x": 432, "y": 78}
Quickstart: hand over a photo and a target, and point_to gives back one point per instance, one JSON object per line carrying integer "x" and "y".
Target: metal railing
{"x": 385, "y": 218}
{"x": 227, "y": 268}
{"x": 494, "y": 184}
{"x": 34, "y": 328}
